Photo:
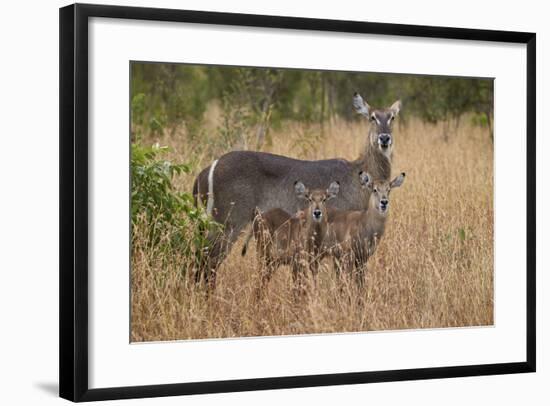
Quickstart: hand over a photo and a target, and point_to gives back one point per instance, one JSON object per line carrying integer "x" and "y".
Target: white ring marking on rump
{"x": 210, "y": 201}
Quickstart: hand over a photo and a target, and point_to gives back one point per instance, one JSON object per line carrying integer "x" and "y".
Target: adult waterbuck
{"x": 295, "y": 240}
{"x": 237, "y": 183}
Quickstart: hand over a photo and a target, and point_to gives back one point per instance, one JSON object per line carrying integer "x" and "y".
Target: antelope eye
{"x": 373, "y": 118}
{"x": 375, "y": 190}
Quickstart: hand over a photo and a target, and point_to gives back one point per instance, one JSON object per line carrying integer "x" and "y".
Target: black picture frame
{"x": 73, "y": 254}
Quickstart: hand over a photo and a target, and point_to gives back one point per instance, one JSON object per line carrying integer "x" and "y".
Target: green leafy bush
{"x": 138, "y": 108}
{"x": 172, "y": 220}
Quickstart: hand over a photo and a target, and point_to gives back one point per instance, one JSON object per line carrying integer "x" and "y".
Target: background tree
{"x": 169, "y": 96}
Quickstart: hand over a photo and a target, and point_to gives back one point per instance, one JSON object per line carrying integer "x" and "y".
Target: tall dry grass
{"x": 433, "y": 268}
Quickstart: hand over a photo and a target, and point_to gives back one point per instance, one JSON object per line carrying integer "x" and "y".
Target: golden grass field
{"x": 433, "y": 268}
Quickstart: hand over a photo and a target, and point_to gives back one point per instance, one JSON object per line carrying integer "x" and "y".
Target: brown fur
{"x": 296, "y": 240}
{"x": 354, "y": 234}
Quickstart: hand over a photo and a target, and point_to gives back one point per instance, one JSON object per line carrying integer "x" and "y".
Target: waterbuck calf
{"x": 354, "y": 234}
{"x": 237, "y": 183}
{"x": 296, "y": 240}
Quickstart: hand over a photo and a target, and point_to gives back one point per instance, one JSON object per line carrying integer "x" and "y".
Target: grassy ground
{"x": 433, "y": 268}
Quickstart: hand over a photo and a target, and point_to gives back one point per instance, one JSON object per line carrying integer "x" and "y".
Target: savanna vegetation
{"x": 434, "y": 266}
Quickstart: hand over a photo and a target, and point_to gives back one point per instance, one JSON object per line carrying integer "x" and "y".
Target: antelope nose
{"x": 384, "y": 202}
{"x": 317, "y": 213}
{"x": 384, "y": 139}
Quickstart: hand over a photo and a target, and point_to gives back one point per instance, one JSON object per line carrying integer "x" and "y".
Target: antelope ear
{"x": 300, "y": 189}
{"x": 360, "y": 105}
{"x": 333, "y": 190}
{"x": 365, "y": 179}
{"x": 395, "y": 107}
{"x": 398, "y": 181}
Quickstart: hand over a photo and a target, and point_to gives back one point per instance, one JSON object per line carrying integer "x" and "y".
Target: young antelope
{"x": 354, "y": 234}
{"x": 296, "y": 240}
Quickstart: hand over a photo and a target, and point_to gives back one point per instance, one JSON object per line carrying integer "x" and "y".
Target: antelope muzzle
{"x": 317, "y": 214}
{"x": 384, "y": 140}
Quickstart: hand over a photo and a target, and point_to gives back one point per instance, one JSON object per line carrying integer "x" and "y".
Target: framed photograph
{"x": 257, "y": 202}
